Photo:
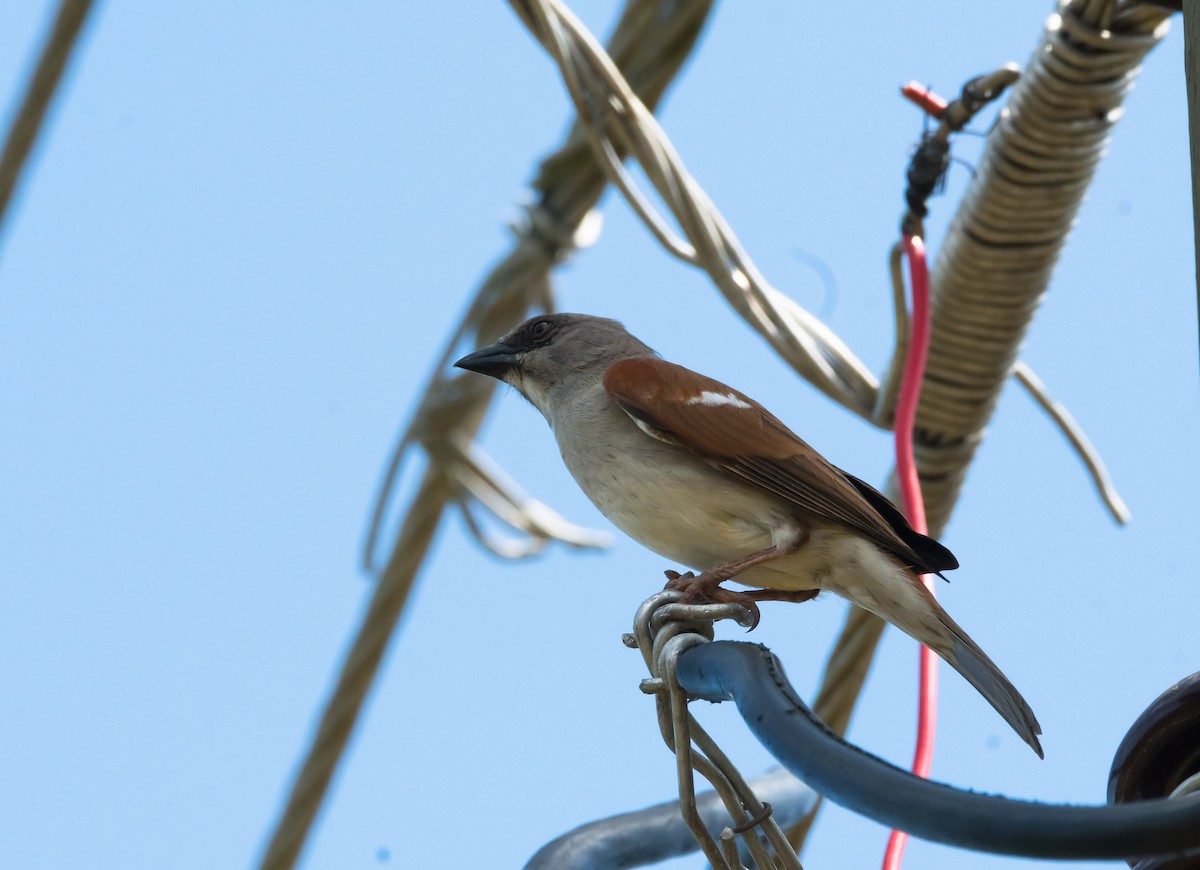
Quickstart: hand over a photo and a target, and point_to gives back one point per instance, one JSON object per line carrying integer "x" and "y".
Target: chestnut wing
{"x": 734, "y": 433}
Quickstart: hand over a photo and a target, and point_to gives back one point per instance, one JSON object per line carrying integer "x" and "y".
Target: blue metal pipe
{"x": 657, "y": 833}
{"x": 751, "y": 677}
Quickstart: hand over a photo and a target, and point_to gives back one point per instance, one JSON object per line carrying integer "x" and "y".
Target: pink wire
{"x": 914, "y": 509}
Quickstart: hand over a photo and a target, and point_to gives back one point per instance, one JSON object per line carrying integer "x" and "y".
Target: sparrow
{"x": 705, "y": 476}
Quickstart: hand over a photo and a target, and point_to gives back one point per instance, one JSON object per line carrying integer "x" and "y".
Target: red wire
{"x": 914, "y": 508}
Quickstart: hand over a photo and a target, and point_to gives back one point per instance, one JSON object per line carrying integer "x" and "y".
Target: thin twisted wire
{"x": 996, "y": 263}
{"x": 484, "y": 483}
{"x": 651, "y": 42}
{"x": 612, "y": 115}
{"x": 663, "y": 630}
{"x": 1078, "y": 439}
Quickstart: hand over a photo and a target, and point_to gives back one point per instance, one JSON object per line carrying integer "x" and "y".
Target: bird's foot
{"x": 706, "y": 589}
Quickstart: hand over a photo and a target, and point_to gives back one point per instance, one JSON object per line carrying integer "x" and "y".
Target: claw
{"x": 755, "y": 614}
{"x": 706, "y": 589}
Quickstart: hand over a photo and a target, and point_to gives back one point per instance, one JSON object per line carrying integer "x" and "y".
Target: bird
{"x": 705, "y": 476}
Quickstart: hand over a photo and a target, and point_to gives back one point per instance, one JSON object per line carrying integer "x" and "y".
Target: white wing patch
{"x": 649, "y": 430}
{"x": 712, "y": 400}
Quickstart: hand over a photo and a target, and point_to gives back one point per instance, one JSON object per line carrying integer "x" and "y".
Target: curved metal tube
{"x": 657, "y": 833}
{"x": 750, "y": 676}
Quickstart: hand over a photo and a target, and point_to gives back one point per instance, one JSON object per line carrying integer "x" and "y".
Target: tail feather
{"x": 965, "y": 656}
{"x": 882, "y": 584}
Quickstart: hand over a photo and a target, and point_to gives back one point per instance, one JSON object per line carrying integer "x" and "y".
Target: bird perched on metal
{"x": 705, "y": 476}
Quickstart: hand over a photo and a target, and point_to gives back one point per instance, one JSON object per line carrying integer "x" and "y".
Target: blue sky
{"x": 239, "y": 248}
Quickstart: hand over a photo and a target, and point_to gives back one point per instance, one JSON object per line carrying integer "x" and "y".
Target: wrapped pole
{"x": 996, "y": 263}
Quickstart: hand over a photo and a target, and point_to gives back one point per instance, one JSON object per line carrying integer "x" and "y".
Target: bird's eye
{"x": 541, "y": 328}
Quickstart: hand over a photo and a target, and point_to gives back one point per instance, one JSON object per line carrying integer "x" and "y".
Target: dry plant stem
{"x": 651, "y": 42}
{"x": 64, "y": 36}
{"x": 998, "y": 258}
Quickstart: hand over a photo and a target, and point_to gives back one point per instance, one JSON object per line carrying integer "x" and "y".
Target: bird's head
{"x": 553, "y": 353}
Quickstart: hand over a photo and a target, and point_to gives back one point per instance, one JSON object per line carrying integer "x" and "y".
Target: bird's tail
{"x": 954, "y": 645}
{"x": 904, "y": 601}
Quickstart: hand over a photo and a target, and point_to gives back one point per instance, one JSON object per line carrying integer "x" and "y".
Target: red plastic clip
{"x": 929, "y": 102}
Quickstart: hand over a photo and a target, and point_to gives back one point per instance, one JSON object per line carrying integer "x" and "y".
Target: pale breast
{"x": 662, "y": 497}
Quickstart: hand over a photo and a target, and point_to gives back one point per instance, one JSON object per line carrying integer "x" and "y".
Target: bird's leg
{"x": 794, "y": 596}
{"x": 707, "y": 586}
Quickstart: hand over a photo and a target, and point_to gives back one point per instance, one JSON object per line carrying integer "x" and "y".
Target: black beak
{"x": 495, "y": 360}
